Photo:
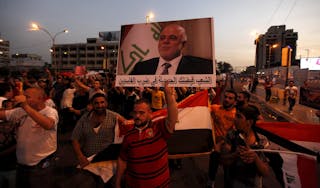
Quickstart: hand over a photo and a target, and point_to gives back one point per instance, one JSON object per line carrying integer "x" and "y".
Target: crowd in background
{"x": 72, "y": 95}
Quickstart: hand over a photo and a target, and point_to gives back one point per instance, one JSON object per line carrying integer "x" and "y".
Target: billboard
{"x": 311, "y": 63}
{"x": 186, "y": 45}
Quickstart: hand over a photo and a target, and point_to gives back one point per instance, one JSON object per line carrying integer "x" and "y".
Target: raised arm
{"x": 42, "y": 120}
{"x": 172, "y": 108}
{"x": 82, "y": 85}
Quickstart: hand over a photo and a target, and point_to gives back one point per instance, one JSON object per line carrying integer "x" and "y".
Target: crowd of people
{"x": 36, "y": 106}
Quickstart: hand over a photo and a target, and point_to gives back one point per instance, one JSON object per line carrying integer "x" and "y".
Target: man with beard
{"x": 94, "y": 130}
{"x": 243, "y": 103}
{"x": 223, "y": 121}
{"x": 144, "y": 154}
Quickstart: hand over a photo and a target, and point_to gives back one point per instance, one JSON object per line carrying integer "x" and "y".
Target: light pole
{"x": 149, "y": 17}
{"x": 36, "y": 27}
{"x": 307, "y": 53}
{"x": 270, "y": 48}
{"x": 288, "y": 64}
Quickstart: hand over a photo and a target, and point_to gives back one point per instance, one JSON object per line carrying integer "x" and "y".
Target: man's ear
{"x": 184, "y": 43}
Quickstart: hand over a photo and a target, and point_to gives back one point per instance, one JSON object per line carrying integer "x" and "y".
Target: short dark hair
{"x": 245, "y": 94}
{"x": 4, "y": 88}
{"x": 143, "y": 100}
{"x": 98, "y": 95}
{"x": 249, "y": 112}
{"x": 233, "y": 92}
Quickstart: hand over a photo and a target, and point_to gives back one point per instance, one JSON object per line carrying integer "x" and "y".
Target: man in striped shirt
{"x": 144, "y": 156}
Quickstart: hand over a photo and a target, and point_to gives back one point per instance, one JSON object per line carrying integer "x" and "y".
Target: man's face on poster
{"x": 171, "y": 42}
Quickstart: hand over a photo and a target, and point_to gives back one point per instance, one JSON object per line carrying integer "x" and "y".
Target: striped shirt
{"x": 146, "y": 155}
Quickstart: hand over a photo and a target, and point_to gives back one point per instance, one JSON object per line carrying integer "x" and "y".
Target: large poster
{"x": 180, "y": 52}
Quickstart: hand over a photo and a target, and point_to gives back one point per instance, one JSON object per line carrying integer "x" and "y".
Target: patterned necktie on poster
{"x": 166, "y": 67}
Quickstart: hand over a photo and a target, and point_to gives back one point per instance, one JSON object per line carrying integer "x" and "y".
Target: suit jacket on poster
{"x": 187, "y": 65}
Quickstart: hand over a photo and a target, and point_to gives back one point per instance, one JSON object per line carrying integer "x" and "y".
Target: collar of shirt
{"x": 174, "y": 65}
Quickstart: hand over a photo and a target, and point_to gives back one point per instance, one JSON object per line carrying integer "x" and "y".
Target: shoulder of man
{"x": 112, "y": 112}
{"x": 194, "y": 59}
{"x": 142, "y": 66}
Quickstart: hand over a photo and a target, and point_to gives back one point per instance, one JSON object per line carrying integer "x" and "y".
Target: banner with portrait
{"x": 141, "y": 44}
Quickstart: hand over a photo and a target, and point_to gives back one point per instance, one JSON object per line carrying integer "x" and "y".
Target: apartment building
{"x": 20, "y": 62}
{"x": 96, "y": 54}
{"x": 269, "y": 47}
{"x": 4, "y": 52}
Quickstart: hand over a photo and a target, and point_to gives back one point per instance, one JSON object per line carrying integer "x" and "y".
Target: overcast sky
{"x": 234, "y": 22}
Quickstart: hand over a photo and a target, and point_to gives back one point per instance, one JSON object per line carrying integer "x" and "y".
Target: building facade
{"x": 20, "y": 62}
{"x": 269, "y": 47}
{"x": 4, "y": 52}
{"x": 96, "y": 54}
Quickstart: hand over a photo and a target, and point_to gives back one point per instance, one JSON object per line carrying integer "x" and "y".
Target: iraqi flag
{"x": 299, "y": 168}
{"x": 294, "y": 136}
{"x": 192, "y": 136}
{"x": 299, "y": 171}
{"x": 138, "y": 42}
{"x": 193, "y": 131}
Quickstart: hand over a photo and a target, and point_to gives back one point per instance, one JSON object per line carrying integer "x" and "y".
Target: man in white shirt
{"x": 36, "y": 138}
{"x": 292, "y": 92}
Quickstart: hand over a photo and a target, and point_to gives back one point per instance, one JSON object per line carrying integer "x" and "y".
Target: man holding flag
{"x": 144, "y": 154}
{"x": 223, "y": 121}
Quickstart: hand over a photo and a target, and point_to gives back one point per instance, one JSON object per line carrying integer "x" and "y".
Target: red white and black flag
{"x": 299, "y": 166}
{"x": 193, "y": 131}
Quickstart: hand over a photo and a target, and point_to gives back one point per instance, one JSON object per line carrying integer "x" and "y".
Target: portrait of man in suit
{"x": 172, "y": 41}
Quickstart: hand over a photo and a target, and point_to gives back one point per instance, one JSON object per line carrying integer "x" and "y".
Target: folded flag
{"x": 305, "y": 135}
{"x": 298, "y": 168}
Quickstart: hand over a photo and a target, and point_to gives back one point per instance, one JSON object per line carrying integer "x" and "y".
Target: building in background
{"x": 96, "y": 54}
{"x": 4, "y": 52}
{"x": 21, "y": 62}
{"x": 269, "y": 47}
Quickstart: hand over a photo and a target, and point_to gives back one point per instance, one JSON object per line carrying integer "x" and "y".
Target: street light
{"x": 288, "y": 64}
{"x": 36, "y": 27}
{"x": 149, "y": 17}
{"x": 270, "y": 48}
{"x": 307, "y": 53}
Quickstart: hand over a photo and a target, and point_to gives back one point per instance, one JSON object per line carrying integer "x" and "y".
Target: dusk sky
{"x": 235, "y": 22}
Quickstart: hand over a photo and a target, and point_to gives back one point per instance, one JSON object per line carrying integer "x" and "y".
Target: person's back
{"x": 157, "y": 99}
{"x": 130, "y": 99}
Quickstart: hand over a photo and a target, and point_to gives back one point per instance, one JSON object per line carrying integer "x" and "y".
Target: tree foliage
{"x": 224, "y": 67}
